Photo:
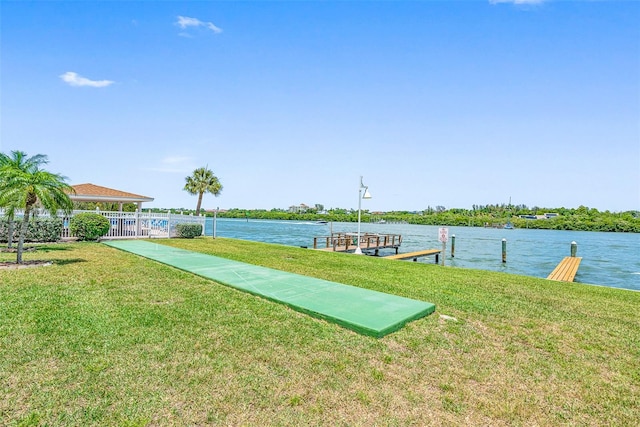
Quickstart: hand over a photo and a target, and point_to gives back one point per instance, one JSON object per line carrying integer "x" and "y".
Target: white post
{"x": 361, "y": 196}
{"x": 358, "y": 250}
{"x": 443, "y": 234}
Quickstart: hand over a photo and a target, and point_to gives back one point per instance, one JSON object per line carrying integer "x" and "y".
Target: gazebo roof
{"x": 96, "y": 193}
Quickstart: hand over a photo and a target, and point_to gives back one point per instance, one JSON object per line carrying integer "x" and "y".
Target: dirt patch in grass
{"x": 11, "y": 265}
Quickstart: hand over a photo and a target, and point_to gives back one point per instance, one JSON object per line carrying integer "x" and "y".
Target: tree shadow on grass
{"x": 52, "y": 248}
{"x": 30, "y": 249}
{"x": 68, "y": 261}
{"x": 32, "y": 263}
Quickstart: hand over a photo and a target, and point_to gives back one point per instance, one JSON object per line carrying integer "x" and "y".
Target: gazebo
{"x": 124, "y": 224}
{"x": 96, "y": 193}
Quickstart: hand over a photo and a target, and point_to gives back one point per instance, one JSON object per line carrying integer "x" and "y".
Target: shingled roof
{"x": 96, "y": 193}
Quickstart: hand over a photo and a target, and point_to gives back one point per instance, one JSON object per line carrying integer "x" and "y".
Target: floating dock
{"x": 566, "y": 270}
{"x": 417, "y": 254}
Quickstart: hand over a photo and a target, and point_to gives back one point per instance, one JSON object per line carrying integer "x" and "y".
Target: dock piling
{"x": 453, "y": 245}
{"x": 574, "y": 248}
{"x": 504, "y": 250}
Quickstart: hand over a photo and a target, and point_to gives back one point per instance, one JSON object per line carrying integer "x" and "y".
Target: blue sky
{"x": 434, "y": 103}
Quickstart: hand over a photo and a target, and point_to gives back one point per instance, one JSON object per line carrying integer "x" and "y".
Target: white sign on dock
{"x": 443, "y": 234}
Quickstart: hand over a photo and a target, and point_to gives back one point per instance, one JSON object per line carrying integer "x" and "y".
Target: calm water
{"x": 608, "y": 259}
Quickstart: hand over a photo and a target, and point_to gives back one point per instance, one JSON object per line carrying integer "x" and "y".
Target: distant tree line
{"x": 581, "y": 218}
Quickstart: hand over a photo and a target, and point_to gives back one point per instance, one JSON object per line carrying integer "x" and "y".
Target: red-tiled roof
{"x": 92, "y": 191}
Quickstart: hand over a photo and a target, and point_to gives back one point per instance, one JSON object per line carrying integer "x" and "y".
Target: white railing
{"x": 131, "y": 224}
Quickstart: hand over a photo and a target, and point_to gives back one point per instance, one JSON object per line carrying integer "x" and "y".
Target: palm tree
{"x": 9, "y": 210}
{"x": 23, "y": 184}
{"x": 18, "y": 161}
{"x": 9, "y": 206}
{"x": 202, "y": 181}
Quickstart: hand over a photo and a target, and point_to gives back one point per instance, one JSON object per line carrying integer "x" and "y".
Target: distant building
{"x": 301, "y": 208}
{"x": 545, "y": 216}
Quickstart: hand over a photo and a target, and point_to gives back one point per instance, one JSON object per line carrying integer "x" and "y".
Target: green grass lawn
{"x": 104, "y": 337}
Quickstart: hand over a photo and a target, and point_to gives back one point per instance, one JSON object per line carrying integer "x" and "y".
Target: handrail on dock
{"x": 344, "y": 242}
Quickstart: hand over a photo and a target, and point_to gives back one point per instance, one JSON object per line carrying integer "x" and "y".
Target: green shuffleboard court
{"x": 361, "y": 310}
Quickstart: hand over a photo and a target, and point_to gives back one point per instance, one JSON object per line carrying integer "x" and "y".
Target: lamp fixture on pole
{"x": 361, "y": 196}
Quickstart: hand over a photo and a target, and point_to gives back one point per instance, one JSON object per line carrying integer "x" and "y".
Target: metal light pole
{"x": 361, "y": 196}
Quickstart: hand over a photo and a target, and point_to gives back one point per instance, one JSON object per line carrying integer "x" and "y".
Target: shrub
{"x": 89, "y": 226}
{"x": 39, "y": 230}
{"x": 188, "y": 231}
{"x": 44, "y": 230}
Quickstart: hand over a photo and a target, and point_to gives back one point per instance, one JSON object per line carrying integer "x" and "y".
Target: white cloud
{"x": 73, "y": 79}
{"x": 186, "y": 22}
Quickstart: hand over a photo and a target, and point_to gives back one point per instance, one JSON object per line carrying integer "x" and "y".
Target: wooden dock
{"x": 345, "y": 242}
{"x": 566, "y": 270}
{"x": 417, "y": 254}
